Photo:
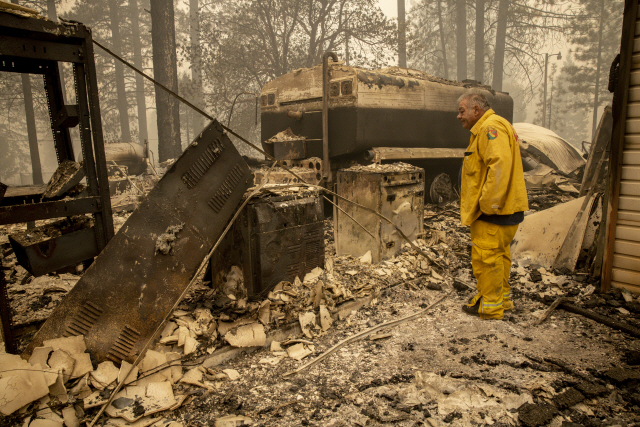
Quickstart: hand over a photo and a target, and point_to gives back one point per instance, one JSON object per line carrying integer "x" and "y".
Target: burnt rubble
{"x": 224, "y": 357}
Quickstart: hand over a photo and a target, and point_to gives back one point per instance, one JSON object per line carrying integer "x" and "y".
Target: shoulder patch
{"x": 492, "y": 133}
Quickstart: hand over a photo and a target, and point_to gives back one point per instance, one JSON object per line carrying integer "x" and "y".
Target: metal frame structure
{"x": 36, "y": 45}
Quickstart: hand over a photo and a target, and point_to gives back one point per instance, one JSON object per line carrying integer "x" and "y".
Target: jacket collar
{"x": 485, "y": 116}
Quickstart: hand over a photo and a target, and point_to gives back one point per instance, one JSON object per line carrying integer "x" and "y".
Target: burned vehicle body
{"x": 373, "y": 116}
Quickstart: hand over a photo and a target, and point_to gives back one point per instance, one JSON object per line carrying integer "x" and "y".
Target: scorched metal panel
{"x": 131, "y": 286}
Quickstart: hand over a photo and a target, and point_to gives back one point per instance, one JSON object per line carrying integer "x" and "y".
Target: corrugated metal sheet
{"x": 548, "y": 147}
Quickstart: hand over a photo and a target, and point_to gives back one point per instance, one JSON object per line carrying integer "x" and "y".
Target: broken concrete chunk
{"x": 251, "y": 335}
{"x": 70, "y": 417}
{"x": 41, "y": 422}
{"x": 325, "y": 318}
{"x": 20, "y": 383}
{"x": 233, "y": 421}
{"x": 81, "y": 389}
{"x": 232, "y": 374}
{"x": 151, "y": 361}
{"x": 58, "y": 389}
{"x": 183, "y": 333}
{"x": 97, "y": 398}
{"x": 168, "y": 329}
{"x": 40, "y": 356}
{"x": 82, "y": 366}
{"x": 60, "y": 360}
{"x": 202, "y": 319}
{"x": 72, "y": 345}
{"x": 142, "y": 422}
{"x": 124, "y": 368}
{"x": 105, "y": 375}
{"x": 159, "y": 396}
{"x": 307, "y": 323}
{"x": 313, "y": 275}
{"x": 190, "y": 345}
{"x": 172, "y": 339}
{"x": 193, "y": 377}
{"x": 264, "y": 312}
{"x": 173, "y": 359}
{"x": 300, "y": 351}
{"x": 366, "y": 258}
{"x": 275, "y": 346}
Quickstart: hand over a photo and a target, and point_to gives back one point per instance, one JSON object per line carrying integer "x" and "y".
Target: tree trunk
{"x": 347, "y": 53}
{"x": 442, "y": 41}
{"x": 402, "y": 36}
{"x": 141, "y": 101}
{"x": 197, "y": 121}
{"x": 165, "y": 70}
{"x": 116, "y": 42}
{"x": 501, "y": 41}
{"x": 598, "y": 61}
{"x": 479, "y": 55}
{"x": 36, "y": 168}
{"x": 461, "y": 38}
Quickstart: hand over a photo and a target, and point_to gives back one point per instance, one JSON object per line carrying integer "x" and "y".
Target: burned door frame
{"x": 37, "y": 46}
{"x": 620, "y": 111}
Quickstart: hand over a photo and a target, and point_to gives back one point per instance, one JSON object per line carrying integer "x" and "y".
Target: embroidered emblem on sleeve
{"x": 492, "y": 133}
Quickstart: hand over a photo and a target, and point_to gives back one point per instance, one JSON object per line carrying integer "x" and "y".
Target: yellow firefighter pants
{"x": 491, "y": 262}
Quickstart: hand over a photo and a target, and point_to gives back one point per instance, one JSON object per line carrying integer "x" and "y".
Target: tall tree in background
{"x": 402, "y": 35}
{"x": 116, "y": 45}
{"x": 197, "y": 121}
{"x": 479, "y": 53}
{"x": 136, "y": 42}
{"x": 501, "y": 40}
{"x": 165, "y": 69}
{"x": 596, "y": 42}
{"x": 461, "y": 38}
{"x": 443, "y": 44}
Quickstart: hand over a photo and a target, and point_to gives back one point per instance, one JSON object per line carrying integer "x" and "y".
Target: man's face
{"x": 468, "y": 116}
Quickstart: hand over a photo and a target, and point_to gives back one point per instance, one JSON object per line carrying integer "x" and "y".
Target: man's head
{"x": 471, "y": 106}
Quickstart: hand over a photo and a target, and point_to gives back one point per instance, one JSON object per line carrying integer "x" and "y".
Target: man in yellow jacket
{"x": 493, "y": 200}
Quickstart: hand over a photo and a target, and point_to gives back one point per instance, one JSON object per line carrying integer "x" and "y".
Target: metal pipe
{"x": 325, "y": 114}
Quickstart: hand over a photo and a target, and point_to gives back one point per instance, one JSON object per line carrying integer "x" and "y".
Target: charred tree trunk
{"x": 461, "y": 38}
{"x": 479, "y": 55}
{"x": 501, "y": 41}
{"x": 442, "y": 40}
{"x": 141, "y": 101}
{"x": 402, "y": 36}
{"x": 197, "y": 121}
{"x": 116, "y": 42}
{"x": 165, "y": 70}
{"x": 36, "y": 169}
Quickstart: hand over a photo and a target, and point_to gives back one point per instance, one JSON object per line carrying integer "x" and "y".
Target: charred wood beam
{"x": 605, "y": 320}
{"x": 46, "y": 210}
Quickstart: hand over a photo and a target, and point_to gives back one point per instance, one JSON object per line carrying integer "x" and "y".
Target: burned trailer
{"x": 375, "y": 116}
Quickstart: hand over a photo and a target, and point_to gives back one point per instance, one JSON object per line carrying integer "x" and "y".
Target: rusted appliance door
{"x": 131, "y": 286}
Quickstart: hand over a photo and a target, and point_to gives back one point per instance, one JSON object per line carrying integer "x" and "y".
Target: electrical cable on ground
{"x": 364, "y": 334}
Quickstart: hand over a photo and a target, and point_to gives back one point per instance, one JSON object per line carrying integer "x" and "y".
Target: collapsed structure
{"x": 128, "y": 308}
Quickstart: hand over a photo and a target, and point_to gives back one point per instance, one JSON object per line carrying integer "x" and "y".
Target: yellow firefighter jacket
{"x": 492, "y": 178}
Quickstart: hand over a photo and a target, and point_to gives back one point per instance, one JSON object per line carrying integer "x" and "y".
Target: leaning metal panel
{"x": 131, "y": 285}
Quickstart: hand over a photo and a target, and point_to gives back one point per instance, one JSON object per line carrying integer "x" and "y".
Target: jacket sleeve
{"x": 494, "y": 147}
